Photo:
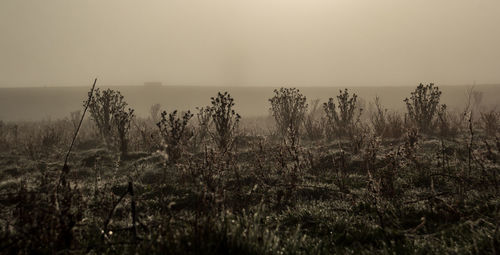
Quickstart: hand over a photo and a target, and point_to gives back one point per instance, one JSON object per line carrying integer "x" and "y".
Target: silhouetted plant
{"x": 108, "y": 110}
{"x": 121, "y": 121}
{"x": 100, "y": 110}
{"x": 225, "y": 120}
{"x": 341, "y": 122}
{"x": 175, "y": 133}
{"x": 289, "y": 107}
{"x": 423, "y": 106}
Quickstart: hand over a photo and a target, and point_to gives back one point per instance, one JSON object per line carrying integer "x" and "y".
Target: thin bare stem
{"x": 65, "y": 167}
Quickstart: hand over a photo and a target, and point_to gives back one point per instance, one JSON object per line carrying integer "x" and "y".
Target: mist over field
{"x": 249, "y": 127}
{"x": 25, "y": 104}
{"x": 249, "y": 43}
{"x": 195, "y": 48}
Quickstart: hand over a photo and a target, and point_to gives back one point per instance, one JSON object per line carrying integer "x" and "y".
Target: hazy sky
{"x": 249, "y": 42}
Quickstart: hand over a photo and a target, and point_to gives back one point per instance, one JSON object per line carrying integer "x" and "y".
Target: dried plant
{"x": 121, "y": 120}
{"x": 225, "y": 120}
{"x": 288, "y": 106}
{"x": 175, "y": 133}
{"x": 109, "y": 111}
{"x": 423, "y": 105}
{"x": 341, "y": 117}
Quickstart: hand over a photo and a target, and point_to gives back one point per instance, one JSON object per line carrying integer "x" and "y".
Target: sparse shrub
{"x": 489, "y": 122}
{"x": 121, "y": 121}
{"x": 423, "y": 106}
{"x": 418, "y": 194}
{"x": 288, "y": 107}
{"x": 175, "y": 133}
{"x": 108, "y": 110}
{"x": 342, "y": 122}
{"x": 313, "y": 124}
{"x": 225, "y": 120}
{"x": 100, "y": 108}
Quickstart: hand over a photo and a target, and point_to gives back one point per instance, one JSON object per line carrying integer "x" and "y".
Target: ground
{"x": 322, "y": 197}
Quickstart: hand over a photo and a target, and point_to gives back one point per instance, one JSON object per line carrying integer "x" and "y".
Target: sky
{"x": 249, "y": 42}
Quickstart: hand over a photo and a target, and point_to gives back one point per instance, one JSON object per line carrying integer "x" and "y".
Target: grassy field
{"x": 384, "y": 184}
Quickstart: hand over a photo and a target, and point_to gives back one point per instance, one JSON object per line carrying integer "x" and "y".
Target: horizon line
{"x": 243, "y": 86}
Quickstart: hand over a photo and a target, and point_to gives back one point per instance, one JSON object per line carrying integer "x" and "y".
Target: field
{"x": 310, "y": 178}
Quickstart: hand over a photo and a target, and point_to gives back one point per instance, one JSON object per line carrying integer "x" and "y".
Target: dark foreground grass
{"x": 389, "y": 197}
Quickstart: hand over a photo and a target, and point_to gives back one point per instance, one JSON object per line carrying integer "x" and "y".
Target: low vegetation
{"x": 324, "y": 181}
